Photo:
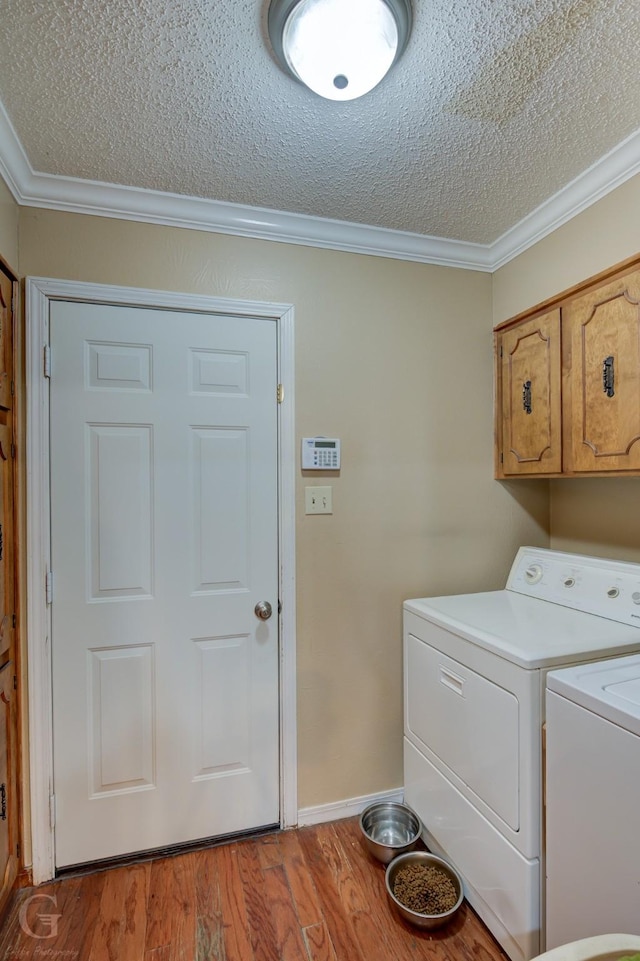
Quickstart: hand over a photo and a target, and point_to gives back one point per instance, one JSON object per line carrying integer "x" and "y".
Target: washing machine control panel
{"x": 593, "y": 584}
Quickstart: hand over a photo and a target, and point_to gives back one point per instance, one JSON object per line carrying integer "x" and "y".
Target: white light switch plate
{"x": 317, "y": 500}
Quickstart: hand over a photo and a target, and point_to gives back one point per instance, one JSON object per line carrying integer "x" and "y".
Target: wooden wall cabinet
{"x": 568, "y": 383}
{"x": 529, "y": 372}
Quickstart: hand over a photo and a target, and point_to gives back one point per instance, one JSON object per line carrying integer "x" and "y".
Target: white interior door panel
{"x": 164, "y": 538}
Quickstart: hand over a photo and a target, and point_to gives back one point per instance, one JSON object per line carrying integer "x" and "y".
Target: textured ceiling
{"x": 495, "y": 106}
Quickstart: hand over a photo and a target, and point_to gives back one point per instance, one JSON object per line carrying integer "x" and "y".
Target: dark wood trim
{"x": 25, "y": 878}
{"x": 11, "y": 574}
{"x": 4, "y": 265}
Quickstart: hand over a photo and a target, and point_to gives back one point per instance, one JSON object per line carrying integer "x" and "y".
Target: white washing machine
{"x": 475, "y": 668}
{"x": 593, "y": 800}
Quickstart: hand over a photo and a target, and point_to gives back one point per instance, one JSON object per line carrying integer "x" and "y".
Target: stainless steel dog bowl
{"x": 388, "y": 829}
{"x": 416, "y": 917}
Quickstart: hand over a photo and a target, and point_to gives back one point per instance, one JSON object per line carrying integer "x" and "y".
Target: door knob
{"x": 263, "y": 610}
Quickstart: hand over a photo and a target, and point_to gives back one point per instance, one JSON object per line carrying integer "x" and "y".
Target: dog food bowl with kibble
{"x": 424, "y": 889}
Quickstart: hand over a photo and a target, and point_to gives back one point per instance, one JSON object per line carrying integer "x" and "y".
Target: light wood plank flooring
{"x": 308, "y": 895}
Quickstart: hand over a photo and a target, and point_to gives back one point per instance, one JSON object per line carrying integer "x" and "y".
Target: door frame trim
{"x": 40, "y": 291}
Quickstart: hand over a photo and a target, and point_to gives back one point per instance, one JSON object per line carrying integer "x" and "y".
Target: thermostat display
{"x": 320, "y": 453}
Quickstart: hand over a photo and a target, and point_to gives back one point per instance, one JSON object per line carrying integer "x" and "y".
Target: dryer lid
{"x": 526, "y": 630}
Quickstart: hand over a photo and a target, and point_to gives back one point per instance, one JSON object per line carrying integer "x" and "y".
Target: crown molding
{"x": 258, "y": 223}
{"x": 33, "y": 189}
{"x": 14, "y": 164}
{"x": 611, "y": 171}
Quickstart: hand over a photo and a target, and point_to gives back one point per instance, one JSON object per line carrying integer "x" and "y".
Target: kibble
{"x": 425, "y": 888}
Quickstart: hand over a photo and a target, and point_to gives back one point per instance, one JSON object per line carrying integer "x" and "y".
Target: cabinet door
{"x": 8, "y": 806}
{"x": 603, "y": 331}
{"x": 8, "y": 693}
{"x": 529, "y": 418}
{"x": 7, "y": 547}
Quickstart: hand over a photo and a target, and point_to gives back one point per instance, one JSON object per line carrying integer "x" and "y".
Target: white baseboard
{"x": 344, "y": 809}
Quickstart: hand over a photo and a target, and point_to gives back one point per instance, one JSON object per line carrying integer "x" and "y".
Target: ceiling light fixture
{"x": 340, "y": 49}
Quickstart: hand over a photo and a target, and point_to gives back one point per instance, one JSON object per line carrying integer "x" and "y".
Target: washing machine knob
{"x": 533, "y": 574}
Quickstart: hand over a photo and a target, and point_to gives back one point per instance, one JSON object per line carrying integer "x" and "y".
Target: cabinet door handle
{"x": 526, "y": 397}
{"x": 608, "y": 376}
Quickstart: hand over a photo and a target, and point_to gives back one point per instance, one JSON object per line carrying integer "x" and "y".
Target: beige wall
{"x": 596, "y": 516}
{"x": 8, "y": 227}
{"x": 396, "y": 359}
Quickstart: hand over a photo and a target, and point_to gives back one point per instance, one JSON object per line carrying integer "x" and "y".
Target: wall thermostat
{"x": 320, "y": 453}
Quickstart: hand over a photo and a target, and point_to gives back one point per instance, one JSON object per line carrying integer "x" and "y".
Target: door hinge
{"x": 14, "y": 620}
{"x": 52, "y": 810}
{"x": 279, "y": 606}
{"x": 280, "y": 393}
{"x": 47, "y": 360}
{"x": 18, "y": 851}
{"x": 15, "y": 682}
{"x": 13, "y": 388}
{"x": 501, "y": 351}
{"x": 13, "y": 449}
{"x": 49, "y": 587}
{"x": 501, "y": 457}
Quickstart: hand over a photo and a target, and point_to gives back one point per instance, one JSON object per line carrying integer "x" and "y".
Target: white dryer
{"x": 593, "y": 800}
{"x": 475, "y": 667}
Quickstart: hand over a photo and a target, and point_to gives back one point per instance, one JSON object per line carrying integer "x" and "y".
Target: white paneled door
{"x": 163, "y": 541}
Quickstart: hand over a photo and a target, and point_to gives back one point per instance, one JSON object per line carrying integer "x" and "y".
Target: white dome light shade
{"x": 340, "y": 49}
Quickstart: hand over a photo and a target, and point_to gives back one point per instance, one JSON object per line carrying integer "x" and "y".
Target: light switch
{"x": 317, "y": 500}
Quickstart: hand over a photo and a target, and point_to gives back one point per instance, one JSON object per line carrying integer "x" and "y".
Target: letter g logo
{"x": 49, "y": 922}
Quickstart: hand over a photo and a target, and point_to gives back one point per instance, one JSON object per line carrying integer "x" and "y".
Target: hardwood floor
{"x": 308, "y": 895}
